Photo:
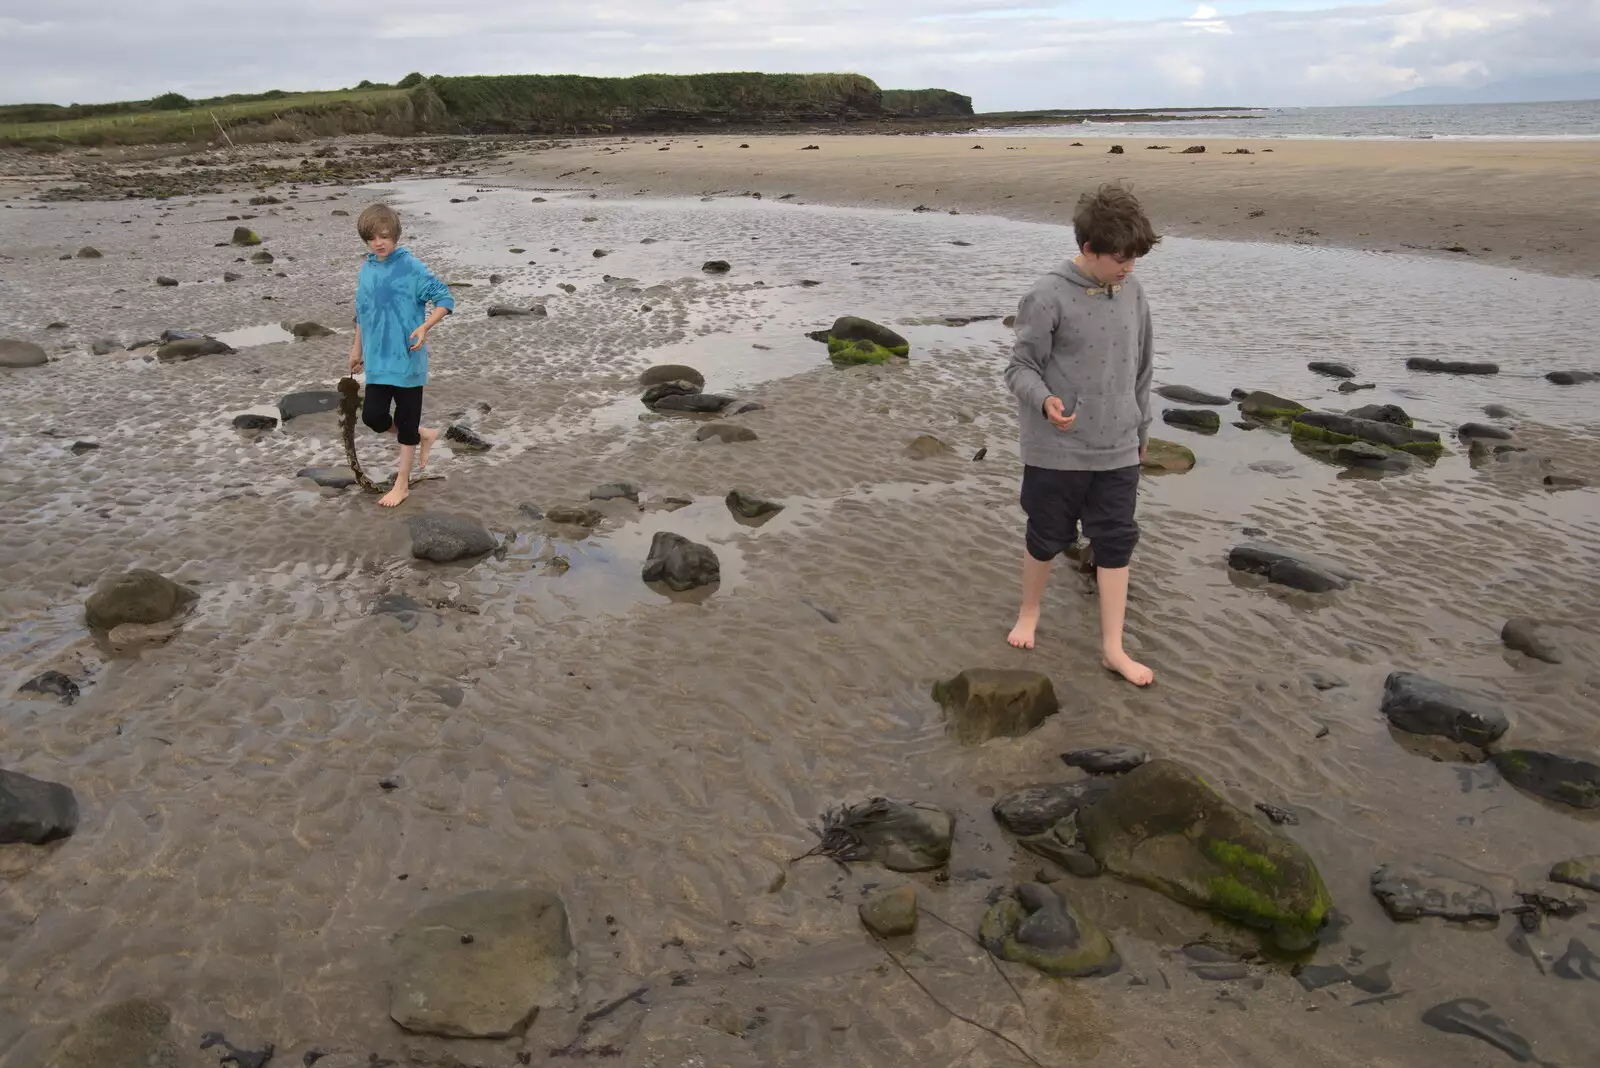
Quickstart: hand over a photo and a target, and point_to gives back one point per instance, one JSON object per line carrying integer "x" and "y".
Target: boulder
{"x": 1167, "y": 457}
{"x": 1419, "y": 705}
{"x": 128, "y": 1034}
{"x": 1286, "y": 567}
{"x": 1572, "y": 378}
{"x": 445, "y": 538}
{"x": 1267, "y": 407}
{"x": 904, "y": 836}
{"x": 716, "y": 267}
{"x": 1106, "y": 759}
{"x": 310, "y": 329}
{"x": 1035, "y": 925}
{"x": 1201, "y": 419}
{"x": 88, "y": 252}
{"x": 1332, "y": 370}
{"x": 1451, "y": 367}
{"x": 698, "y": 403}
{"x": 1334, "y": 429}
{"x": 926, "y": 447}
{"x": 329, "y": 477}
{"x": 51, "y": 684}
{"x": 1529, "y": 637}
{"x": 15, "y": 353}
{"x": 482, "y": 965}
{"x": 1409, "y": 892}
{"x": 1164, "y": 827}
{"x": 747, "y": 505}
{"x": 681, "y": 563}
{"x": 1483, "y": 432}
{"x": 138, "y": 596}
{"x": 671, "y": 372}
{"x": 727, "y": 433}
{"x": 891, "y": 913}
{"x": 1582, "y": 872}
{"x": 1382, "y": 413}
{"x": 984, "y": 703}
{"x": 1566, "y": 780}
{"x": 466, "y": 439}
{"x": 185, "y": 349}
{"x": 852, "y": 328}
{"x": 1035, "y": 809}
{"x": 307, "y": 402}
{"x": 243, "y": 235}
{"x": 1190, "y": 395}
{"x": 33, "y": 811}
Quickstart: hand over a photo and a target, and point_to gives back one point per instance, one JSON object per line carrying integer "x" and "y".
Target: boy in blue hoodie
{"x": 1080, "y": 370}
{"x": 393, "y": 291}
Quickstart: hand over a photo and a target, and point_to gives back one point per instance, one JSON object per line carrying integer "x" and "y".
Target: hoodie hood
{"x": 400, "y": 253}
{"x": 1070, "y": 272}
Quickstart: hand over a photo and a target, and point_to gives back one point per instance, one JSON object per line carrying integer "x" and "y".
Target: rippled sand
{"x": 656, "y": 760}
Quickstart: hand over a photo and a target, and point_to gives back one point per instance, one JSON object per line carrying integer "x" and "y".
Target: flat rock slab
{"x": 1572, "y": 378}
{"x": 984, "y": 703}
{"x": 1564, "y": 779}
{"x": 129, "y": 1034}
{"x": 727, "y": 433}
{"x": 1451, "y": 367}
{"x": 1582, "y": 872}
{"x": 308, "y": 402}
{"x": 329, "y": 477}
{"x": 1419, "y": 705}
{"x": 482, "y": 965}
{"x": 1287, "y": 567}
{"x": 1335, "y": 429}
{"x": 445, "y": 538}
{"x": 15, "y": 353}
{"x": 33, "y": 811}
{"x": 137, "y": 596}
{"x": 1331, "y": 369}
{"x": 1037, "y": 808}
{"x": 680, "y": 563}
{"x": 1190, "y": 395}
{"x": 185, "y": 349}
{"x": 1203, "y": 420}
{"x": 747, "y": 505}
{"x": 1408, "y": 892}
{"x": 1536, "y": 638}
{"x": 1035, "y": 925}
{"x": 1106, "y": 759}
{"x": 698, "y": 403}
{"x": 1376, "y": 457}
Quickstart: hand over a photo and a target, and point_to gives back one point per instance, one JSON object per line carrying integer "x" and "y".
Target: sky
{"x": 1005, "y": 54}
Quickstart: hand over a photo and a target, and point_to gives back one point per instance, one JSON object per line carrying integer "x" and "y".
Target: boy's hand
{"x": 356, "y": 363}
{"x": 1056, "y": 412}
{"x": 418, "y": 336}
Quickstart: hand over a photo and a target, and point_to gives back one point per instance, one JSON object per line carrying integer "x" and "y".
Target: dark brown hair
{"x": 378, "y": 219}
{"x": 1111, "y": 222}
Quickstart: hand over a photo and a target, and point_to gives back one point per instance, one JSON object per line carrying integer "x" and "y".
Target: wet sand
{"x": 1532, "y": 204}
{"x": 657, "y": 760}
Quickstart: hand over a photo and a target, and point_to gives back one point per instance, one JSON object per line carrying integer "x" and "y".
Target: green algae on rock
{"x": 1267, "y": 407}
{"x": 1163, "y": 827}
{"x": 1333, "y": 429}
{"x": 853, "y": 340}
{"x": 1037, "y": 926}
{"x": 850, "y": 353}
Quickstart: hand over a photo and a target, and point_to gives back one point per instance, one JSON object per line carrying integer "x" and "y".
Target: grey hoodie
{"x": 1093, "y": 348}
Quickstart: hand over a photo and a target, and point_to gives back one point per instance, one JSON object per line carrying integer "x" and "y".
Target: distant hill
{"x": 1509, "y": 91}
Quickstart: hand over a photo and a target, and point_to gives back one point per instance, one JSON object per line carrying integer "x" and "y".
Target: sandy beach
{"x": 339, "y": 734}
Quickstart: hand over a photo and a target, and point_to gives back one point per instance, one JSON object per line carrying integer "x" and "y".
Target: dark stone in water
{"x": 1286, "y": 567}
{"x": 1266, "y": 407}
{"x": 1356, "y": 387}
{"x": 1332, "y": 370}
{"x": 1036, "y": 809}
{"x": 1582, "y": 872}
{"x": 80, "y": 447}
{"x": 33, "y": 811}
{"x": 748, "y": 506}
{"x": 680, "y": 388}
{"x": 1189, "y": 395}
{"x": 1037, "y": 926}
{"x": 1500, "y": 411}
{"x": 1563, "y": 482}
{"x": 239, "y": 1058}
{"x": 984, "y": 703}
{"x": 1568, "y": 780}
{"x": 190, "y": 348}
{"x": 727, "y": 433}
{"x": 52, "y": 684}
{"x": 1106, "y": 759}
{"x": 854, "y": 328}
{"x": 681, "y": 563}
{"x": 104, "y": 346}
{"x": 665, "y": 373}
{"x": 310, "y": 329}
{"x": 1280, "y": 816}
{"x": 1408, "y": 892}
{"x": 1471, "y": 1017}
{"x": 250, "y": 421}
{"x": 1526, "y": 635}
{"x": 329, "y": 477}
{"x": 466, "y": 438}
{"x": 1366, "y": 454}
{"x": 308, "y": 402}
{"x": 1382, "y": 413}
{"x": 1483, "y": 430}
{"x": 1451, "y": 367}
{"x": 1203, "y": 420}
{"x": 1420, "y": 705}
{"x": 165, "y": 280}
{"x": 716, "y": 267}
{"x": 498, "y": 310}
{"x": 15, "y": 353}
{"x": 702, "y": 403}
{"x": 137, "y": 596}
{"x": 1337, "y": 429}
{"x": 446, "y": 538}
{"x": 1572, "y": 378}
{"x": 612, "y": 491}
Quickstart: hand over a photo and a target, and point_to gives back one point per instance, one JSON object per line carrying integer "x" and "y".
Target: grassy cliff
{"x": 925, "y": 103}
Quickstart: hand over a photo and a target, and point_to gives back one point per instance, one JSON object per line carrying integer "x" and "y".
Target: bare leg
{"x": 402, "y": 479}
{"x": 428, "y": 436}
{"x": 1113, "y": 582}
{"x": 1035, "y": 573}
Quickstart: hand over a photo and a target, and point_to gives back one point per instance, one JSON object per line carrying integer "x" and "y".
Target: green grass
{"x": 922, "y": 103}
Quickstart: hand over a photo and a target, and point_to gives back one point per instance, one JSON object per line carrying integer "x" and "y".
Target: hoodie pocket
{"x": 1107, "y": 421}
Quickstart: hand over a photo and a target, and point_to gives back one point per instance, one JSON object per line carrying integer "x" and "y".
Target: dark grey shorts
{"x": 1103, "y": 501}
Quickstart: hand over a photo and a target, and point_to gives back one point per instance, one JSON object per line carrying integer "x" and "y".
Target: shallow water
{"x": 657, "y": 758}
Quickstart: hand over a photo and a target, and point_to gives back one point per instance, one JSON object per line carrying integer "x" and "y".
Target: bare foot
{"x": 395, "y": 496}
{"x": 428, "y": 436}
{"x": 1128, "y": 668}
{"x": 1021, "y": 635}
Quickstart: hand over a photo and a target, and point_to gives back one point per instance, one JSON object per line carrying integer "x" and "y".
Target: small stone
{"x": 1106, "y": 760}
{"x": 329, "y": 477}
{"x": 445, "y": 538}
{"x": 1451, "y": 367}
{"x": 615, "y": 490}
{"x": 1528, "y": 636}
{"x": 52, "y": 684}
{"x": 727, "y": 433}
{"x": 1036, "y": 809}
{"x": 1582, "y": 872}
{"x": 716, "y": 267}
{"x": 749, "y": 506}
{"x": 262, "y": 258}
{"x": 926, "y": 446}
{"x": 680, "y": 563}
{"x": 1332, "y": 370}
{"x": 88, "y": 252}
{"x": 985, "y": 703}
{"x": 229, "y": 276}
{"x": 1408, "y": 892}
{"x": 34, "y": 812}
{"x": 310, "y": 330}
{"x": 166, "y": 280}
{"x": 1201, "y": 419}
{"x": 466, "y": 439}
{"x": 307, "y": 402}
{"x": 891, "y": 913}
{"x": 251, "y": 421}
{"x": 669, "y": 373}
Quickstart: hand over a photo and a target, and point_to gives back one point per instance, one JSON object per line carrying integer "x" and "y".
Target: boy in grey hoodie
{"x": 1081, "y": 370}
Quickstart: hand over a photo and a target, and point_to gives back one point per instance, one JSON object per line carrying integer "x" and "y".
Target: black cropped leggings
{"x": 406, "y": 403}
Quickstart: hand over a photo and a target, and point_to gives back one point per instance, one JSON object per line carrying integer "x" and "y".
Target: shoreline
{"x": 1524, "y": 204}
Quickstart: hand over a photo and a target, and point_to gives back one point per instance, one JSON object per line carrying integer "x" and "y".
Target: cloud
{"x": 1004, "y": 54}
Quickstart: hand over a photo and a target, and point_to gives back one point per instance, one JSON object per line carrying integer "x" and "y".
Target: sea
{"x": 1573, "y": 120}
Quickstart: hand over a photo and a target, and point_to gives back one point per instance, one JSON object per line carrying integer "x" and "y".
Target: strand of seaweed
{"x": 349, "y": 405}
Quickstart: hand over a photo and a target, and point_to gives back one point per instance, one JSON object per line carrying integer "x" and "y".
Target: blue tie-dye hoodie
{"x": 392, "y": 298}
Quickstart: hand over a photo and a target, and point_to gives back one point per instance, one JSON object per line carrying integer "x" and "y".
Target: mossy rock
{"x": 1566, "y": 780}
{"x": 1268, "y": 407}
{"x": 984, "y": 703}
{"x": 137, "y": 596}
{"x": 1163, "y": 827}
{"x": 243, "y": 235}
{"x": 1167, "y": 457}
{"x": 1039, "y": 927}
{"x": 849, "y": 353}
{"x": 1329, "y": 429}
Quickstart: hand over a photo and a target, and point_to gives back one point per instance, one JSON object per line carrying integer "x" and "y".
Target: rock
{"x": 727, "y": 433}
{"x": 138, "y": 596}
{"x": 1382, "y": 413}
{"x": 1332, "y": 370}
{"x": 926, "y": 446}
{"x": 183, "y": 350}
{"x": 853, "y": 353}
{"x": 496, "y": 279}
{"x": 1114, "y": 150}
{"x": 748, "y": 506}
{"x": 171, "y": 334}
{"x": 81, "y": 447}
{"x": 482, "y": 965}
{"x": 165, "y": 280}
{"x": 902, "y": 836}
{"x": 88, "y": 252}
{"x": 612, "y": 491}
{"x": 1036, "y": 809}
{"x": 1572, "y": 378}
{"x": 681, "y": 563}
{"x": 1277, "y": 815}
{"x": 1333, "y": 429}
{"x": 329, "y": 477}
{"x": 1451, "y": 367}
{"x": 444, "y": 538}
{"x": 128, "y": 1034}
{"x": 1203, "y": 420}
{"x": 850, "y": 328}
{"x": 262, "y": 258}
{"x": 1500, "y": 411}
{"x": 1190, "y": 395}
{"x": 1564, "y": 482}
{"x": 104, "y": 346}
{"x": 1482, "y": 431}
{"x": 1527, "y": 636}
{"x": 307, "y": 402}
{"x": 1266, "y": 407}
{"x": 57, "y": 325}
{"x": 499, "y": 310}
{"x": 671, "y": 372}
{"x": 15, "y": 353}
{"x": 51, "y": 684}
{"x": 716, "y": 266}
{"x": 1167, "y": 457}
{"x": 1163, "y": 827}
{"x": 679, "y": 388}
{"x": 309, "y": 329}
{"x": 1567, "y": 780}
{"x": 1408, "y": 892}
{"x": 1356, "y": 387}
{"x": 466, "y": 439}
{"x": 891, "y": 913}
{"x": 1582, "y": 872}
{"x": 1471, "y": 1017}
{"x": 1035, "y": 925}
{"x": 250, "y": 421}
{"x": 575, "y": 515}
{"x": 700, "y": 403}
{"x": 1062, "y": 845}
{"x": 984, "y": 703}
{"x": 243, "y": 235}
{"x": 1366, "y": 454}
{"x": 740, "y": 407}
{"x": 1285, "y": 567}
{"x": 1106, "y": 759}
{"x": 33, "y": 811}
{"x": 1419, "y": 705}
